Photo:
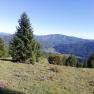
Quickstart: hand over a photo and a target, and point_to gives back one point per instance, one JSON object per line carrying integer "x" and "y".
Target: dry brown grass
{"x": 47, "y": 79}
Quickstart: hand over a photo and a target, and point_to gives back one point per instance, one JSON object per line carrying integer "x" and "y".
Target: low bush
{"x": 42, "y": 60}
{"x": 72, "y": 61}
{"x": 54, "y": 59}
{"x": 57, "y": 59}
{"x": 65, "y": 60}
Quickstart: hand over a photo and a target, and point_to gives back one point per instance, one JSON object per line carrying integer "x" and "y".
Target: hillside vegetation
{"x": 46, "y": 79}
{"x": 61, "y": 44}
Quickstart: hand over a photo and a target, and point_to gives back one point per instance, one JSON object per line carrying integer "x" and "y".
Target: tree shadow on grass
{"x": 8, "y": 91}
{"x": 6, "y": 59}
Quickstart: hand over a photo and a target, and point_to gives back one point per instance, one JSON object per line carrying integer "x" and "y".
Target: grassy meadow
{"x": 46, "y": 78}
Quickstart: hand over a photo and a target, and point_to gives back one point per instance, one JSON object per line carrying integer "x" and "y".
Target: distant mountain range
{"x": 57, "y": 43}
{"x": 6, "y": 37}
{"x": 57, "y": 39}
{"x": 80, "y": 49}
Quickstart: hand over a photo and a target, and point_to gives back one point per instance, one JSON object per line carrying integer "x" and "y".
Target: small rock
{"x": 3, "y": 84}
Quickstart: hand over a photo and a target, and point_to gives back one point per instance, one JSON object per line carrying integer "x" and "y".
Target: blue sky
{"x": 68, "y": 17}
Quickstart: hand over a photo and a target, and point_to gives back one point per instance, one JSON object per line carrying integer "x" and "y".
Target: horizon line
{"x": 52, "y": 34}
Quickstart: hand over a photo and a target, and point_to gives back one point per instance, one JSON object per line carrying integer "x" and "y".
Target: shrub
{"x": 4, "y": 51}
{"x": 79, "y": 65}
{"x": 42, "y": 60}
{"x": 65, "y": 60}
{"x": 55, "y": 59}
{"x": 33, "y": 60}
{"x": 72, "y": 61}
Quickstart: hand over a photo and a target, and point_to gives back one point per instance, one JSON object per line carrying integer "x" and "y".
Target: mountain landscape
{"x": 63, "y": 44}
{"x": 47, "y": 47}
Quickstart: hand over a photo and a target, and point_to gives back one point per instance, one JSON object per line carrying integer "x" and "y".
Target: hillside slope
{"x": 83, "y": 50}
{"x": 6, "y": 37}
{"x": 46, "y": 79}
{"x": 49, "y": 41}
{"x": 57, "y": 43}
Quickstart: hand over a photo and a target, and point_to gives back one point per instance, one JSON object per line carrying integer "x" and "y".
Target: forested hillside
{"x": 62, "y": 44}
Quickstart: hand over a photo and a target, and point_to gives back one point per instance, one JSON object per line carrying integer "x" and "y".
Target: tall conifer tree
{"x": 24, "y": 47}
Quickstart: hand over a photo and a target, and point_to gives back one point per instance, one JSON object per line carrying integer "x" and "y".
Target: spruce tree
{"x": 24, "y": 47}
{"x": 90, "y": 62}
